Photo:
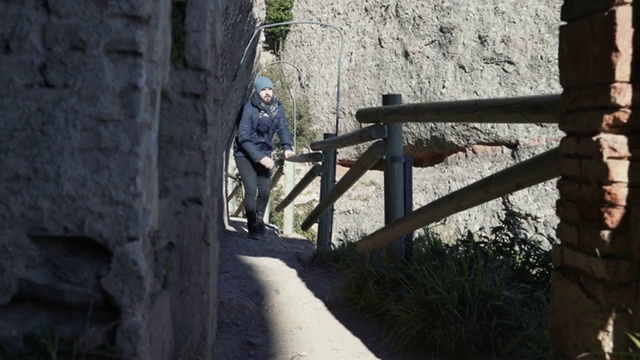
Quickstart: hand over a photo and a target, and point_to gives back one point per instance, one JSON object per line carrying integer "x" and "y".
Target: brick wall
{"x": 595, "y": 279}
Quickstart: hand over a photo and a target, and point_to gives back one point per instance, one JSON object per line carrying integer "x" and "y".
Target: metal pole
{"x": 408, "y": 205}
{"x": 306, "y": 22}
{"x": 394, "y": 180}
{"x": 289, "y": 182}
{"x": 325, "y": 223}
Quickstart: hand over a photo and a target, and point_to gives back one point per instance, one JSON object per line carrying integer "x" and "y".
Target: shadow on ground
{"x": 260, "y": 302}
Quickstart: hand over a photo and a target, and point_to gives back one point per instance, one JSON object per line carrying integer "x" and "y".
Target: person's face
{"x": 266, "y": 95}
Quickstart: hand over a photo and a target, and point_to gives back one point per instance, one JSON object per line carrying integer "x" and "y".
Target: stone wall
{"x": 431, "y": 51}
{"x": 595, "y": 278}
{"x": 111, "y": 168}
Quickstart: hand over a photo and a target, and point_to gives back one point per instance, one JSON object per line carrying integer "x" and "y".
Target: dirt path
{"x": 273, "y": 303}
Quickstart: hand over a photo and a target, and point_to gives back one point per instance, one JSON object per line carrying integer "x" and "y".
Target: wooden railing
{"x": 387, "y": 131}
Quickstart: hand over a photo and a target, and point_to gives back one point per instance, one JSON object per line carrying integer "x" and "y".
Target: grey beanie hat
{"x": 263, "y": 82}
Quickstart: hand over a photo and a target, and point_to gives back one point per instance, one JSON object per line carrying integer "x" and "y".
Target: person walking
{"x": 263, "y": 116}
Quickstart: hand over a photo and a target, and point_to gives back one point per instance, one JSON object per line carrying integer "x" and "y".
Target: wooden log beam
{"x": 533, "y": 171}
{"x": 369, "y": 158}
{"x": 306, "y": 158}
{"x": 276, "y": 176}
{"x": 515, "y": 110}
{"x": 239, "y": 209}
{"x": 236, "y": 190}
{"x": 373, "y": 132}
{"x": 314, "y": 172}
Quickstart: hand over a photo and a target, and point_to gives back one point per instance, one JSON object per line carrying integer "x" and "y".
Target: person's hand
{"x": 267, "y": 162}
{"x": 288, "y": 154}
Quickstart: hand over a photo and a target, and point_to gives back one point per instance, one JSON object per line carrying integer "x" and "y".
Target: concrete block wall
{"x": 596, "y": 265}
{"x": 111, "y": 171}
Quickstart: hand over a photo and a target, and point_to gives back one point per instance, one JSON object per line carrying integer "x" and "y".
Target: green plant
{"x": 47, "y": 344}
{"x": 278, "y": 11}
{"x": 633, "y": 351}
{"x": 41, "y": 345}
{"x": 466, "y": 299}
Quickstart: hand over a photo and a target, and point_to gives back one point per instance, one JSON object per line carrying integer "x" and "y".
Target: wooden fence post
{"x": 394, "y": 179}
{"x": 325, "y": 223}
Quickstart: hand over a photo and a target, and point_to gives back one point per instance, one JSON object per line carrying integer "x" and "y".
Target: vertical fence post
{"x": 394, "y": 179}
{"x": 408, "y": 204}
{"x": 327, "y": 183}
{"x": 289, "y": 183}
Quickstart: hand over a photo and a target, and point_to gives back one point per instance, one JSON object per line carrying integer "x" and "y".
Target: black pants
{"x": 256, "y": 180}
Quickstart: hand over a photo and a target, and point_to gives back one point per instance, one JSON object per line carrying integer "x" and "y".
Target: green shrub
{"x": 46, "y": 343}
{"x": 278, "y": 11}
{"x": 483, "y": 296}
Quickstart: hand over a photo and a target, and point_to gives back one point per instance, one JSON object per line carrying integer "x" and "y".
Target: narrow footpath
{"x": 275, "y": 303}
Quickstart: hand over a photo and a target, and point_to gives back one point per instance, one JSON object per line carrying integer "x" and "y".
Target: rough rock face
{"x": 432, "y": 51}
{"x": 111, "y": 169}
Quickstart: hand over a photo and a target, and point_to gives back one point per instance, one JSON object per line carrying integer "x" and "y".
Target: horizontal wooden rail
{"x": 304, "y": 182}
{"x": 515, "y": 110}
{"x": 533, "y": 171}
{"x": 369, "y": 133}
{"x": 359, "y": 168}
{"x": 306, "y": 158}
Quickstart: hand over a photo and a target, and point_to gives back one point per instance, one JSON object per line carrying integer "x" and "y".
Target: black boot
{"x": 260, "y": 228}
{"x": 255, "y": 231}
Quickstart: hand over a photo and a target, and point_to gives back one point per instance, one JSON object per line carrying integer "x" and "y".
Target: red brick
{"x": 598, "y": 171}
{"x": 597, "y": 49}
{"x": 610, "y": 217}
{"x": 614, "y": 217}
{"x": 614, "y": 270}
{"x": 594, "y": 240}
{"x": 634, "y": 230}
{"x": 569, "y": 212}
{"x": 590, "y": 194}
{"x": 620, "y": 147}
{"x": 606, "y": 217}
{"x": 620, "y": 121}
{"x": 607, "y": 95}
{"x": 575, "y": 9}
{"x": 570, "y": 167}
{"x": 570, "y": 145}
{"x": 573, "y": 191}
{"x": 600, "y": 147}
{"x": 567, "y": 234}
{"x": 608, "y": 171}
